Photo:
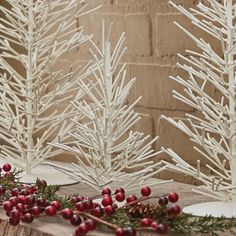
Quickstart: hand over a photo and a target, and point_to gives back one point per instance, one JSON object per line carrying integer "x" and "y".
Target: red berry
{"x": 106, "y": 191}
{"x": 109, "y": 210}
{"x": 50, "y": 211}
{"x": 163, "y": 201}
{"x": 7, "y": 205}
{"x": 35, "y": 211}
{"x": 56, "y": 204}
{"x": 119, "y": 190}
{"x": 154, "y": 224}
{"x": 67, "y": 213}
{"x": 145, "y": 222}
{"x": 6, "y": 167}
{"x": 120, "y": 197}
{"x": 174, "y": 210}
{"x": 41, "y": 202}
{"x": 130, "y": 232}
{"x": 131, "y": 198}
{"x": 22, "y": 199}
{"x": 82, "y": 229}
{"x": 97, "y": 211}
{"x": 91, "y": 224}
{"x": 173, "y": 197}
{"x": 20, "y": 206}
{"x": 15, "y": 192}
{"x": 13, "y": 200}
{"x": 120, "y": 232}
{"x": 107, "y": 200}
{"x": 15, "y": 213}
{"x": 2, "y": 190}
{"x": 75, "y": 220}
{"x": 14, "y": 221}
{"x": 146, "y": 191}
{"x": 74, "y": 199}
{"x": 80, "y": 206}
{"x": 29, "y": 200}
{"x": 162, "y": 229}
{"x": 88, "y": 204}
{"x": 28, "y": 218}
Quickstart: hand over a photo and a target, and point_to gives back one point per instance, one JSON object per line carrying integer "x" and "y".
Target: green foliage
{"x": 207, "y": 225}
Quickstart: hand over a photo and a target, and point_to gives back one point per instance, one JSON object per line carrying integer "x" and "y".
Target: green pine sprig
{"x": 184, "y": 223}
{"x": 9, "y": 181}
{"x": 49, "y": 192}
{"x": 206, "y": 225}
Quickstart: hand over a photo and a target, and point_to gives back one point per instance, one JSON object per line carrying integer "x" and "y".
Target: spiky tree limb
{"x": 106, "y": 150}
{"x": 34, "y": 34}
{"x": 214, "y": 131}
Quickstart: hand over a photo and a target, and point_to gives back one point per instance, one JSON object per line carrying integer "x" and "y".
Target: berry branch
{"x": 148, "y": 212}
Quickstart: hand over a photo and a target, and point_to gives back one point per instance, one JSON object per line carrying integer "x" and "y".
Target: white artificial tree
{"x": 34, "y": 34}
{"x": 108, "y": 152}
{"x": 213, "y": 128}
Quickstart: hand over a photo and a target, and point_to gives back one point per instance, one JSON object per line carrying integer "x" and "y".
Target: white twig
{"x": 43, "y": 30}
{"x": 213, "y": 132}
{"x": 106, "y": 150}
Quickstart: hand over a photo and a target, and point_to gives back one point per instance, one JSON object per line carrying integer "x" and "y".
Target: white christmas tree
{"x": 33, "y": 36}
{"x": 107, "y": 151}
{"x": 213, "y": 130}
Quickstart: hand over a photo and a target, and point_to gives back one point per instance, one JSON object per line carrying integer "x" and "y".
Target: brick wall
{"x": 153, "y": 43}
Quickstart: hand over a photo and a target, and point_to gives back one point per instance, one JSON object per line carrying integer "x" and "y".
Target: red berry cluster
{"x": 172, "y": 211}
{"x": 109, "y": 207}
{"x": 160, "y": 228}
{"x": 79, "y": 214}
{"x": 24, "y": 203}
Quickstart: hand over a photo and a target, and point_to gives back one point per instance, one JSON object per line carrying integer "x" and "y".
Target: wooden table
{"x": 55, "y": 226}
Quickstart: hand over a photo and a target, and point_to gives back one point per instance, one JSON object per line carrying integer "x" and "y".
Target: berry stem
{"x": 113, "y": 226}
{"x": 141, "y": 199}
